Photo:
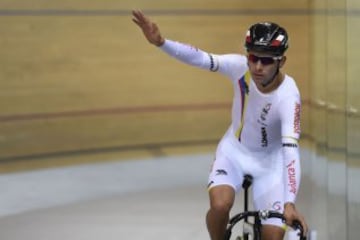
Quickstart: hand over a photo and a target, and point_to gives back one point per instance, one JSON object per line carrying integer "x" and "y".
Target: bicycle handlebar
{"x": 263, "y": 215}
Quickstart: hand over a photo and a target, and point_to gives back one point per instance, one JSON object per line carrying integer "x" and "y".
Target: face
{"x": 263, "y": 67}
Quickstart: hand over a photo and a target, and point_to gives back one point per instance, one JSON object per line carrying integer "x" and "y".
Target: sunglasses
{"x": 264, "y": 60}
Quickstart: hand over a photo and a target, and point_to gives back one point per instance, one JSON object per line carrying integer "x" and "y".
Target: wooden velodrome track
{"x": 79, "y": 83}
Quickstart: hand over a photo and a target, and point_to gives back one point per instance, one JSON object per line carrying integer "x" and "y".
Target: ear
{"x": 282, "y": 62}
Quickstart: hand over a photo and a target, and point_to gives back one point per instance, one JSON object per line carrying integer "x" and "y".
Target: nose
{"x": 258, "y": 65}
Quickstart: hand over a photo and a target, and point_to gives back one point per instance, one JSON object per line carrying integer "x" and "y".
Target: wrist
{"x": 289, "y": 204}
{"x": 160, "y": 42}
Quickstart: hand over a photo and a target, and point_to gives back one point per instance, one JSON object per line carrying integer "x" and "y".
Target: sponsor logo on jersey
{"x": 297, "y": 118}
{"x": 220, "y": 172}
{"x": 192, "y": 47}
{"x": 265, "y": 111}
{"x": 263, "y": 115}
{"x": 291, "y": 172}
{"x": 264, "y": 140}
{"x": 276, "y": 206}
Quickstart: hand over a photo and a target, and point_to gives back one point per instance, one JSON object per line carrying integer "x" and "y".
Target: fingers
{"x": 300, "y": 219}
{"x": 149, "y": 28}
{"x": 139, "y": 18}
{"x": 136, "y": 17}
{"x": 304, "y": 225}
{"x": 291, "y": 214}
{"x": 143, "y": 22}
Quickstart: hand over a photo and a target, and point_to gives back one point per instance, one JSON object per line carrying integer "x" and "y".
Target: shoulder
{"x": 289, "y": 86}
{"x": 234, "y": 65}
{"x": 288, "y": 95}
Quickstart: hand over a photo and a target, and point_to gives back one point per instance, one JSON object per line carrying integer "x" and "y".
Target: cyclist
{"x": 262, "y": 139}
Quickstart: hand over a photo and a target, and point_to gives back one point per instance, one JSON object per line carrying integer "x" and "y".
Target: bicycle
{"x": 253, "y": 228}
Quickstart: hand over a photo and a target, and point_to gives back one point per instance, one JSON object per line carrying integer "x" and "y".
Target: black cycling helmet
{"x": 267, "y": 37}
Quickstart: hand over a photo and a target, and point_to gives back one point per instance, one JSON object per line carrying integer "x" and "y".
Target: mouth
{"x": 258, "y": 76}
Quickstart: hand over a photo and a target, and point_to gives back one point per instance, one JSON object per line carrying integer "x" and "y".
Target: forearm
{"x": 292, "y": 173}
{"x": 190, "y": 55}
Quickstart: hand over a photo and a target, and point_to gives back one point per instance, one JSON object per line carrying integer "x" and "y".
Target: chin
{"x": 259, "y": 81}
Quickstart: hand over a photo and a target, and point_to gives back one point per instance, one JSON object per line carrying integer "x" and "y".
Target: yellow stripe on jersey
{"x": 294, "y": 140}
{"x": 244, "y": 91}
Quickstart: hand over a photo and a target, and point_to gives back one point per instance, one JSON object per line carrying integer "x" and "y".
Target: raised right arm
{"x": 232, "y": 65}
{"x": 180, "y": 51}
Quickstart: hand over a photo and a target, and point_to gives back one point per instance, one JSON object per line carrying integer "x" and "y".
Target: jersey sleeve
{"x": 232, "y": 65}
{"x": 290, "y": 111}
{"x": 292, "y": 170}
{"x": 290, "y": 129}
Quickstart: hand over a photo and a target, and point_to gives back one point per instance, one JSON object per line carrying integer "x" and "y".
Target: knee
{"x": 221, "y": 206}
{"x": 221, "y": 203}
{"x": 221, "y": 199}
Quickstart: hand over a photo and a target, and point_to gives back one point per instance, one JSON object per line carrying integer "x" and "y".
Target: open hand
{"x": 149, "y": 28}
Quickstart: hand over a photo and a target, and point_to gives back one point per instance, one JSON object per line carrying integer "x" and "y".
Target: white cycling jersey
{"x": 261, "y": 123}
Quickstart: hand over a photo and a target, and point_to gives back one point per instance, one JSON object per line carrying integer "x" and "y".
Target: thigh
{"x": 224, "y": 172}
{"x": 268, "y": 192}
